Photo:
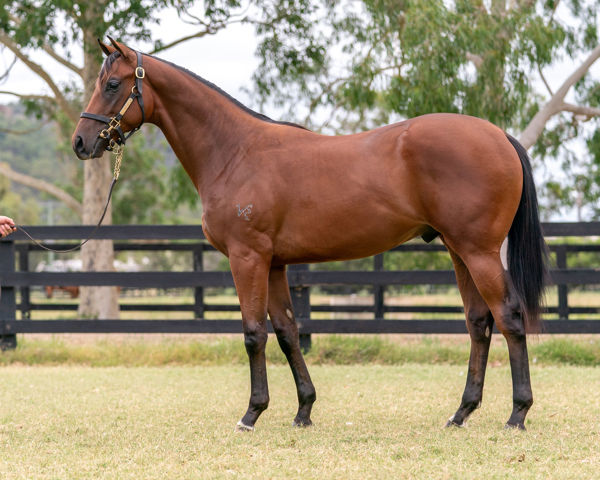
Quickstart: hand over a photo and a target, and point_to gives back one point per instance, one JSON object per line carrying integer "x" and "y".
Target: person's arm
{"x": 7, "y": 226}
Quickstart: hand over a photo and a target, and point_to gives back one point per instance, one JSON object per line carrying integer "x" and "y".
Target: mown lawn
{"x": 371, "y": 421}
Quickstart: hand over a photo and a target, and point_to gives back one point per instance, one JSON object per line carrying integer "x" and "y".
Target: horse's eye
{"x": 112, "y": 85}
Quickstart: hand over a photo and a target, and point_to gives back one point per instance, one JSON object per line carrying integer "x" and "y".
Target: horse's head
{"x": 117, "y": 107}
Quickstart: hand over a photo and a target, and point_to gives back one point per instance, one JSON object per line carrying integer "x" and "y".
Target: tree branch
{"x": 50, "y": 51}
{"x": 181, "y": 40}
{"x": 43, "y": 186}
{"x": 581, "y": 110}
{"x": 8, "y": 69}
{"x": 556, "y": 103}
{"x": 11, "y": 131}
{"x": 547, "y": 85}
{"x": 60, "y": 99}
{"x": 63, "y": 61}
{"x": 25, "y": 96}
{"x": 211, "y": 29}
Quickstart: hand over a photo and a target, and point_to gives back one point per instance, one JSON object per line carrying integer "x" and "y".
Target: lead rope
{"x": 118, "y": 152}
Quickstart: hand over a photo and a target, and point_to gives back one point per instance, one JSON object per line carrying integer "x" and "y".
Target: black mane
{"x": 236, "y": 102}
{"x": 110, "y": 59}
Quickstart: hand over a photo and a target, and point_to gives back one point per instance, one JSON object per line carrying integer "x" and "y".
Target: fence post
{"x": 25, "y": 291}
{"x": 378, "y": 290}
{"x": 301, "y": 303}
{"x": 199, "y": 291}
{"x": 563, "y": 290}
{"x": 8, "y": 304}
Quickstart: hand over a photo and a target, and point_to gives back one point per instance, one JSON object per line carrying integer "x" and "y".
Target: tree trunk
{"x": 96, "y": 255}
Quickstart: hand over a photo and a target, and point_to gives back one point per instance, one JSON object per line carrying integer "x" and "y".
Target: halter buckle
{"x": 140, "y": 72}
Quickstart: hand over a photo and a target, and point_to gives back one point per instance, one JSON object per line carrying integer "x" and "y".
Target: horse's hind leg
{"x": 479, "y": 324}
{"x": 282, "y": 318}
{"x": 490, "y": 278}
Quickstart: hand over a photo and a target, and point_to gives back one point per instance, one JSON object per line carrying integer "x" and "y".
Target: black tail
{"x": 527, "y": 250}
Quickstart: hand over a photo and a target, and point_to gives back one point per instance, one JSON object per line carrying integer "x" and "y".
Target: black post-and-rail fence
{"x": 16, "y": 275}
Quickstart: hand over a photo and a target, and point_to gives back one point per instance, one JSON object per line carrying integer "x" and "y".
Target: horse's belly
{"x": 342, "y": 237}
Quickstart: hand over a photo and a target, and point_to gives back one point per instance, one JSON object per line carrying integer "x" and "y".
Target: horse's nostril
{"x": 79, "y": 144}
{"x": 79, "y": 147}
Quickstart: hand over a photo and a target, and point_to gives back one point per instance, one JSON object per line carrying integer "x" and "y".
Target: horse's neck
{"x": 204, "y": 128}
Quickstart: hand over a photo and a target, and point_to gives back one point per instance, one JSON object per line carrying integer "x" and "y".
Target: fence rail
{"x": 15, "y": 275}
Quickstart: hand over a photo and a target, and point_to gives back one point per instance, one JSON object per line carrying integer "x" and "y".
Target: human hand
{"x": 7, "y": 226}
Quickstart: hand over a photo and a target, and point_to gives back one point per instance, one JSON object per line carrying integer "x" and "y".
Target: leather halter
{"x": 114, "y": 123}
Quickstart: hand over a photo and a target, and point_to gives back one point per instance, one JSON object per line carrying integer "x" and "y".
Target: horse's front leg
{"x": 251, "y": 275}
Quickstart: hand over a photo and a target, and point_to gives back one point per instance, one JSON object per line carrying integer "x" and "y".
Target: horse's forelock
{"x": 108, "y": 61}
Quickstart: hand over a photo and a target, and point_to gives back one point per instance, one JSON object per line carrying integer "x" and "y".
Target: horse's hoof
{"x": 242, "y": 427}
{"x": 452, "y": 423}
{"x": 301, "y": 423}
{"x": 517, "y": 426}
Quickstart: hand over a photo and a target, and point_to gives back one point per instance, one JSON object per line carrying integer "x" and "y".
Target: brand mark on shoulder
{"x": 247, "y": 210}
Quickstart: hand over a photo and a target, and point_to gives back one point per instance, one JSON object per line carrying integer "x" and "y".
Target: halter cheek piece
{"x": 114, "y": 123}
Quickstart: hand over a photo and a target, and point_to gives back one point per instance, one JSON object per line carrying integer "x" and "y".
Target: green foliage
{"x": 144, "y": 193}
{"x": 182, "y": 191}
{"x": 64, "y": 22}
{"x": 22, "y": 210}
{"x": 417, "y": 56}
{"x": 141, "y": 191}
{"x": 29, "y": 146}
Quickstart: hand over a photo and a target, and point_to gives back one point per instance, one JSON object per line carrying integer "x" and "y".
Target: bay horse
{"x": 274, "y": 193}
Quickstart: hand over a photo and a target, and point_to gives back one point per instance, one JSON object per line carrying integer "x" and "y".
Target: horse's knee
{"x": 307, "y": 394}
{"x": 259, "y": 401}
{"x": 255, "y": 340}
{"x": 523, "y": 398}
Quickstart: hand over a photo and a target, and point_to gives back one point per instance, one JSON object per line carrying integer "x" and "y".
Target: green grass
{"x": 102, "y": 351}
{"x": 371, "y": 422}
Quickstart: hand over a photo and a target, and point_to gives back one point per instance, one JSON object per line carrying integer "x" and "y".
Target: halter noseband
{"x": 114, "y": 123}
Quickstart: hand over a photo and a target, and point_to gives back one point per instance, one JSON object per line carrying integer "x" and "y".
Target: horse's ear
{"x": 105, "y": 48}
{"x": 124, "y": 50}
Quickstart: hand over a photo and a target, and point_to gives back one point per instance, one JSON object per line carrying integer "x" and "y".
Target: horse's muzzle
{"x": 84, "y": 153}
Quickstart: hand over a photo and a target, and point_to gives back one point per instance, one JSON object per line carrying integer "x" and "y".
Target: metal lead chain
{"x": 117, "y": 150}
